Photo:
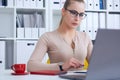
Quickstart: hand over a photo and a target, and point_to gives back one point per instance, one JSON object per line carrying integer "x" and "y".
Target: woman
{"x": 64, "y": 45}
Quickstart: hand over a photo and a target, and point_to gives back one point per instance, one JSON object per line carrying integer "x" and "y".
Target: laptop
{"x": 105, "y": 59}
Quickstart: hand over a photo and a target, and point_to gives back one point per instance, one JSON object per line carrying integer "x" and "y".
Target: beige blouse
{"x": 58, "y": 50}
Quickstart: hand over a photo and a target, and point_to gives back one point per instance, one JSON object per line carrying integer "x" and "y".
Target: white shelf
{"x": 6, "y": 7}
{"x": 26, "y": 38}
{"x": 30, "y": 9}
{"x": 114, "y": 11}
{"x": 7, "y": 38}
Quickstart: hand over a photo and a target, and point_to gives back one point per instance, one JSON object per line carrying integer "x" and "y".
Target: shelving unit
{"x": 19, "y": 49}
{"x": 51, "y": 13}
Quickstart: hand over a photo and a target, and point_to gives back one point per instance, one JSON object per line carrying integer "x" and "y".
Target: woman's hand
{"x": 72, "y": 63}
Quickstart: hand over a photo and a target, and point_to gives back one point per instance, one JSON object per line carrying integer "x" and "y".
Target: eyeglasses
{"x": 74, "y": 13}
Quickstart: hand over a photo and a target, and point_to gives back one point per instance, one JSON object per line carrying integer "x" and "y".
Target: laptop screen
{"x": 104, "y": 62}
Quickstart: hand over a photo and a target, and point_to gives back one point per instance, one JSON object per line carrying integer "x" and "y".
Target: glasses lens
{"x": 73, "y": 12}
{"x": 83, "y": 15}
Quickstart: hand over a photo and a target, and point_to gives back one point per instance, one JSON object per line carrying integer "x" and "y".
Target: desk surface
{"x": 6, "y": 75}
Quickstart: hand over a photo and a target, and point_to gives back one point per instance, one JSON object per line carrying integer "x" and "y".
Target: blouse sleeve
{"x": 89, "y": 48}
{"x": 35, "y": 61}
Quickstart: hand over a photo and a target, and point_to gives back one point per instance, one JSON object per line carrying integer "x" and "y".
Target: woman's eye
{"x": 74, "y": 12}
{"x": 81, "y": 14}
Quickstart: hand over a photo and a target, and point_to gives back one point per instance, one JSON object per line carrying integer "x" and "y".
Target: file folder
{"x": 96, "y": 4}
{"x": 90, "y": 24}
{"x": 110, "y": 4}
{"x": 101, "y": 4}
{"x": 4, "y": 3}
{"x": 83, "y": 29}
{"x": 90, "y": 5}
{"x": 27, "y": 25}
{"x": 110, "y": 23}
{"x": 2, "y": 55}
{"x": 34, "y": 33}
{"x": 20, "y": 26}
{"x": 55, "y": 4}
{"x": 102, "y": 20}
{"x": 42, "y": 30}
{"x": 34, "y": 23}
{"x": 26, "y": 3}
{"x": 39, "y": 3}
{"x": 83, "y": 25}
{"x": 19, "y": 3}
{"x": 116, "y": 22}
{"x": 33, "y": 3}
{"x": 116, "y": 4}
{"x": 40, "y": 20}
{"x": 10, "y": 3}
{"x": 28, "y": 32}
{"x": 20, "y": 32}
{"x": 95, "y": 25}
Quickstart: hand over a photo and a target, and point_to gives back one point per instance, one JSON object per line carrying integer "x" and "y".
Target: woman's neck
{"x": 66, "y": 32}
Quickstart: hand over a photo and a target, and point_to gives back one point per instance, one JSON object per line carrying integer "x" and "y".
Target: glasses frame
{"x": 75, "y": 13}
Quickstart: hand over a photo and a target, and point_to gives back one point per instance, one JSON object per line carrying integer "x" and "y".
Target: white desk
{"x": 6, "y": 75}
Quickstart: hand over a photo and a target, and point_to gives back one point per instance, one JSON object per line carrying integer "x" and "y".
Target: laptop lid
{"x": 105, "y": 58}
{"x": 104, "y": 63}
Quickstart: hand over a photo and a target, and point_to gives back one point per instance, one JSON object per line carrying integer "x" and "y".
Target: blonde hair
{"x": 67, "y": 3}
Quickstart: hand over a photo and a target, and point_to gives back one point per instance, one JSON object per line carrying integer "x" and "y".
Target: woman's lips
{"x": 75, "y": 24}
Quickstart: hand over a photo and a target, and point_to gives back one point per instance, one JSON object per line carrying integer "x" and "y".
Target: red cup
{"x": 18, "y": 68}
